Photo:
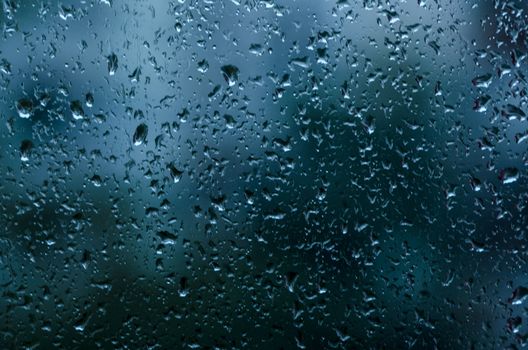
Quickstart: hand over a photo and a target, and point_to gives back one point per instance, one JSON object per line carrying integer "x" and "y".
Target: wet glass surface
{"x": 263, "y": 174}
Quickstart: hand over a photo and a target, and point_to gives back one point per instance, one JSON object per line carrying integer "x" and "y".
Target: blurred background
{"x": 263, "y": 174}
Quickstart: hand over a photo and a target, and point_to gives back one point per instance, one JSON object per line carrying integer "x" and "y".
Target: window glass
{"x": 266, "y": 174}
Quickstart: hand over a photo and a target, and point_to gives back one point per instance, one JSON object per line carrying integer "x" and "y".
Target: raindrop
{"x": 25, "y": 149}
{"x": 24, "y": 108}
{"x": 176, "y": 174}
{"x": 482, "y": 81}
{"x": 509, "y": 175}
{"x": 230, "y": 74}
{"x": 96, "y": 181}
{"x": 77, "y": 110}
{"x": 89, "y": 100}
{"x": 112, "y": 63}
{"x": 140, "y": 135}
{"x": 513, "y": 112}
{"x": 519, "y": 296}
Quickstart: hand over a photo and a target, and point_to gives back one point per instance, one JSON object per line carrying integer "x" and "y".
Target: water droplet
{"x": 480, "y": 104}
{"x": 183, "y": 291}
{"x": 112, "y": 64}
{"x": 230, "y": 74}
{"x": 135, "y": 75}
{"x": 77, "y": 110}
{"x": 230, "y": 121}
{"x": 89, "y": 100}
{"x": 140, "y": 135}
{"x": 509, "y": 175}
{"x": 175, "y": 173}
{"x": 513, "y": 112}
{"x": 167, "y": 238}
{"x": 96, "y": 181}
{"x": 519, "y": 296}
{"x": 25, "y": 149}
{"x": 514, "y": 324}
{"x": 24, "y": 108}
{"x": 203, "y": 66}
{"x": 482, "y": 81}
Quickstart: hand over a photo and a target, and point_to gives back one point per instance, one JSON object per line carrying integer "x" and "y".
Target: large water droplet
{"x": 175, "y": 173}
{"x": 509, "y": 175}
{"x": 25, "y": 149}
{"x": 24, "y": 108}
{"x": 77, "y": 110}
{"x": 482, "y": 81}
{"x": 519, "y": 296}
{"x": 230, "y": 74}
{"x": 140, "y": 135}
{"x": 112, "y": 63}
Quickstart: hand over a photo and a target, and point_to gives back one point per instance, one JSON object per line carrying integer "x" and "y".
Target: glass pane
{"x": 263, "y": 174}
